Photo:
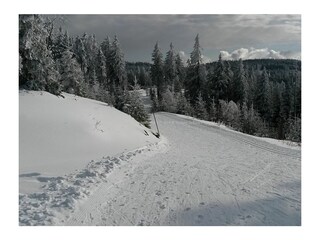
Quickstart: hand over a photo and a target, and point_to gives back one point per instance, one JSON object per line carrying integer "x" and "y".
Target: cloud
{"x": 262, "y": 53}
{"x": 184, "y": 57}
{"x": 206, "y": 59}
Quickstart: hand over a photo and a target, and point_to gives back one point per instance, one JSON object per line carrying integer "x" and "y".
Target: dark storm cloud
{"x": 138, "y": 33}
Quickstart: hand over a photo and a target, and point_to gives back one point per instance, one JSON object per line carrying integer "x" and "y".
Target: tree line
{"x": 259, "y": 97}
{"x": 51, "y": 60}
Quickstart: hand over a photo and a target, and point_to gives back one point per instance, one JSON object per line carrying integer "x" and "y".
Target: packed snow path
{"x": 205, "y": 176}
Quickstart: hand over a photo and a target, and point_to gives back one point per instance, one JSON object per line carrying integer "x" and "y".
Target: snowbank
{"x": 58, "y": 136}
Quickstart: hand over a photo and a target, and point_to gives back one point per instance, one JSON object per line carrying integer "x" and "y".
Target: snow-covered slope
{"x": 60, "y": 135}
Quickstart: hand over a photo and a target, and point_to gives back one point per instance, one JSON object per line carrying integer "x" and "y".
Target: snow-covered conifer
{"x": 200, "y": 110}
{"x": 71, "y": 75}
{"x": 196, "y": 73}
{"x": 170, "y": 67}
{"x": 38, "y": 69}
{"x": 117, "y": 71}
{"x": 157, "y": 75}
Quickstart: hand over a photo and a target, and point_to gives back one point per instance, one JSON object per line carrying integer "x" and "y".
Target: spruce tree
{"x": 240, "y": 86}
{"x": 71, "y": 75}
{"x": 170, "y": 67}
{"x": 101, "y": 70}
{"x": 38, "y": 69}
{"x": 218, "y": 81}
{"x": 263, "y": 95}
{"x": 212, "y": 111}
{"x": 60, "y": 44}
{"x": 80, "y": 53}
{"x": 181, "y": 74}
{"x": 106, "y": 50}
{"x": 157, "y": 75}
{"x": 200, "y": 108}
{"x": 117, "y": 71}
{"x": 183, "y": 106}
{"x": 196, "y": 73}
{"x": 168, "y": 102}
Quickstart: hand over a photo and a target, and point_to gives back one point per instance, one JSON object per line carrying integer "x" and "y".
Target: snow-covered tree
{"x": 38, "y": 69}
{"x": 168, "y": 102}
{"x": 157, "y": 75}
{"x": 213, "y": 111}
{"x": 183, "y": 106}
{"x": 181, "y": 74}
{"x": 80, "y": 52}
{"x": 170, "y": 67}
{"x": 60, "y": 44}
{"x": 200, "y": 110}
{"x": 196, "y": 73}
{"x": 251, "y": 122}
{"x": 71, "y": 75}
{"x": 106, "y": 50}
{"x": 293, "y": 130}
{"x": 101, "y": 69}
{"x": 239, "y": 84}
{"x": 117, "y": 69}
{"x": 230, "y": 113}
{"x": 218, "y": 81}
{"x": 263, "y": 95}
{"x": 134, "y": 107}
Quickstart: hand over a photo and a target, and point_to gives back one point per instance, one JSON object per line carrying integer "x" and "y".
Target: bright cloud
{"x": 184, "y": 57}
{"x": 263, "y": 53}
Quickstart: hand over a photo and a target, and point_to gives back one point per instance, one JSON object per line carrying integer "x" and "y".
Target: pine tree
{"x": 240, "y": 85}
{"x": 219, "y": 81}
{"x": 251, "y": 123}
{"x": 170, "y": 67}
{"x": 213, "y": 111}
{"x": 229, "y": 75}
{"x": 183, "y": 106}
{"x": 117, "y": 71}
{"x": 135, "y": 108}
{"x": 263, "y": 95}
{"x": 60, "y": 44}
{"x": 80, "y": 53}
{"x": 38, "y": 69}
{"x": 157, "y": 75}
{"x": 252, "y": 86}
{"x": 196, "y": 73}
{"x": 168, "y": 102}
{"x": 71, "y": 74}
{"x": 293, "y": 130}
{"x": 181, "y": 74}
{"x": 106, "y": 50}
{"x": 200, "y": 108}
{"x": 101, "y": 69}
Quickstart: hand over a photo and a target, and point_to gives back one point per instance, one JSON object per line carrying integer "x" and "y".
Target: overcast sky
{"x": 245, "y": 36}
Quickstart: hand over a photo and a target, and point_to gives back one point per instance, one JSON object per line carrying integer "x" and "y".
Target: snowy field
{"x": 197, "y": 174}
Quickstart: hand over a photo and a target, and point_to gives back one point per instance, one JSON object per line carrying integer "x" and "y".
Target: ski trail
{"x": 205, "y": 176}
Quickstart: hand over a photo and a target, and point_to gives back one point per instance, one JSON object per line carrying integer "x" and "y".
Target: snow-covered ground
{"x": 204, "y": 176}
{"x": 197, "y": 174}
{"x": 281, "y": 143}
{"x": 58, "y": 139}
